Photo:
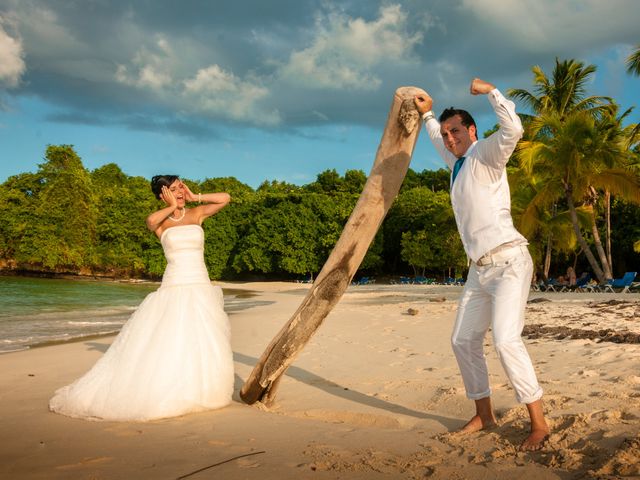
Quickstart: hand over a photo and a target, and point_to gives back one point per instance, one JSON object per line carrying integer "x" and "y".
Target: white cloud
{"x": 549, "y": 25}
{"x": 345, "y": 51}
{"x": 12, "y": 65}
{"x": 149, "y": 68}
{"x": 212, "y": 91}
{"x": 215, "y": 91}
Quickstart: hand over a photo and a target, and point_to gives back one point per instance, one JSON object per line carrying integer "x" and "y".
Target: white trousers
{"x": 495, "y": 295}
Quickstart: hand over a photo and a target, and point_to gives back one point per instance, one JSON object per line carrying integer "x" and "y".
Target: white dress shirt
{"x": 480, "y": 195}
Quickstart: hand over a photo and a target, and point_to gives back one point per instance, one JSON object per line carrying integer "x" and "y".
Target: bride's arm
{"x": 212, "y": 202}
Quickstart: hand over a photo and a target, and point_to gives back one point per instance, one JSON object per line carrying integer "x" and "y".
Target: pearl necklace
{"x": 184, "y": 211}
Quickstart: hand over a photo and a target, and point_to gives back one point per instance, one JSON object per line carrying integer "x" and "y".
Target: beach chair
{"x": 550, "y": 285}
{"x": 362, "y": 281}
{"x": 537, "y": 286}
{"x": 592, "y": 287}
{"x": 420, "y": 280}
{"x": 579, "y": 286}
{"x": 406, "y": 280}
{"x": 623, "y": 283}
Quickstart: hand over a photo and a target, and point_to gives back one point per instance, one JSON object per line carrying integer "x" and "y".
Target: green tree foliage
{"x": 64, "y": 218}
{"x": 626, "y": 217}
{"x": 416, "y": 251}
{"x": 121, "y": 234}
{"x": 434, "y": 180}
{"x": 18, "y": 201}
{"x": 331, "y": 183}
{"x": 239, "y": 191}
{"x": 421, "y": 215}
{"x": 64, "y": 229}
{"x": 575, "y": 149}
{"x": 291, "y": 233}
{"x": 281, "y": 238}
{"x": 580, "y": 157}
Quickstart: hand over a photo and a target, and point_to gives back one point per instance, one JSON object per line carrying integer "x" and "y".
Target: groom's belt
{"x": 501, "y": 254}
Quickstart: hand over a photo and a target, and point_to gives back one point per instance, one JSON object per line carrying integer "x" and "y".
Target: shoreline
{"x": 38, "y": 320}
{"x": 372, "y": 396}
{"x": 75, "y": 276}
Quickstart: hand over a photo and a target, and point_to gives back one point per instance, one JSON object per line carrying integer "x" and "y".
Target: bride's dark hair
{"x": 159, "y": 181}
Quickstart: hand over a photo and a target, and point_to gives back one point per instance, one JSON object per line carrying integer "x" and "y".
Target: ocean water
{"x": 39, "y": 311}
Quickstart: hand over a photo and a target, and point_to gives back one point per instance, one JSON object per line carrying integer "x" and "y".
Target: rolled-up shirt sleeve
{"x": 433, "y": 129}
{"x": 498, "y": 147}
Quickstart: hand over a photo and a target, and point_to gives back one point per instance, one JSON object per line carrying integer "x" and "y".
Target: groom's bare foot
{"x": 477, "y": 424}
{"x": 535, "y": 441}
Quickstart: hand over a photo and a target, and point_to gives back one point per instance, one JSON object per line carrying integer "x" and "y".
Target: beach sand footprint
{"x": 420, "y": 464}
{"x": 625, "y": 461}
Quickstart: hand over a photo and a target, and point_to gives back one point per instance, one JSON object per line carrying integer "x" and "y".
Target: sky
{"x": 275, "y": 90}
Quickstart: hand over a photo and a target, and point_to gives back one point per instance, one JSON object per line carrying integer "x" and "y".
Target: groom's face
{"x": 457, "y": 138}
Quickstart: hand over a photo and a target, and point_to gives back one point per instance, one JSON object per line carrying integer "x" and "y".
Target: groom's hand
{"x": 423, "y": 102}
{"x": 480, "y": 87}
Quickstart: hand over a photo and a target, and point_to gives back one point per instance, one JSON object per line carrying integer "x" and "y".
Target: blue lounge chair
{"x": 579, "y": 286}
{"x": 622, "y": 283}
{"x": 551, "y": 285}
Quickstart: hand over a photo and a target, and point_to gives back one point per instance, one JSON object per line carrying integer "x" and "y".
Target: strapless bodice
{"x": 184, "y": 249}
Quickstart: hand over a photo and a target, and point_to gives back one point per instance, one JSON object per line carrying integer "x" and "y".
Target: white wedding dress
{"x": 173, "y": 356}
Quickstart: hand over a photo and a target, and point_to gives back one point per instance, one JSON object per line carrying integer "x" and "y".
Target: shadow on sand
{"x": 340, "y": 391}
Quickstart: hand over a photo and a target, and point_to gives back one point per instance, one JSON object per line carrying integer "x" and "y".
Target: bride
{"x": 173, "y": 356}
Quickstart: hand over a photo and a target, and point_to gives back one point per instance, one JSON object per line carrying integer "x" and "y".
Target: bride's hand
{"x": 168, "y": 197}
{"x": 188, "y": 194}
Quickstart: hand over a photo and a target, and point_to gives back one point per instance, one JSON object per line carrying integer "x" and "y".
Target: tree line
{"x": 64, "y": 218}
{"x": 574, "y": 180}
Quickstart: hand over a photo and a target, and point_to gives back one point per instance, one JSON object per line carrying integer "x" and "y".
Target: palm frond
{"x": 633, "y": 62}
{"x": 620, "y": 182}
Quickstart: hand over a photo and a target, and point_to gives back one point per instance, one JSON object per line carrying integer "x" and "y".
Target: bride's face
{"x": 177, "y": 188}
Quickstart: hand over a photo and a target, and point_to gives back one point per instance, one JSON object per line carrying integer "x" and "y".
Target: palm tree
{"x": 610, "y": 124}
{"x": 535, "y": 212}
{"x": 633, "y": 67}
{"x": 633, "y": 62}
{"x": 563, "y": 93}
{"x": 581, "y": 156}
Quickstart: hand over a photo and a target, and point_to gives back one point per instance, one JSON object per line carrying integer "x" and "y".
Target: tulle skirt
{"x": 172, "y": 357}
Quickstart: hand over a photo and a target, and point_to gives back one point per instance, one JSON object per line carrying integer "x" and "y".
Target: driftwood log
{"x": 382, "y": 186}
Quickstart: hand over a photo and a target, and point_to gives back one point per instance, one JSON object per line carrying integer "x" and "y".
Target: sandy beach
{"x": 374, "y": 395}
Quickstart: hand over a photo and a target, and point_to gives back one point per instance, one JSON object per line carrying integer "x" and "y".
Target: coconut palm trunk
{"x": 382, "y": 186}
{"x": 597, "y": 270}
{"x": 598, "y": 244}
{"x": 547, "y": 257}
{"x": 607, "y": 199}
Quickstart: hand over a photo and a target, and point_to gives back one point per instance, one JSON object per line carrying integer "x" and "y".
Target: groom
{"x": 496, "y": 290}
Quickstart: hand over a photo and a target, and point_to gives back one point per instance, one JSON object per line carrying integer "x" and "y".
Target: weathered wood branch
{"x": 382, "y": 186}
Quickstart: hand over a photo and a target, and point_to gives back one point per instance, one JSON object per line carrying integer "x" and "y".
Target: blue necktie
{"x": 456, "y": 168}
